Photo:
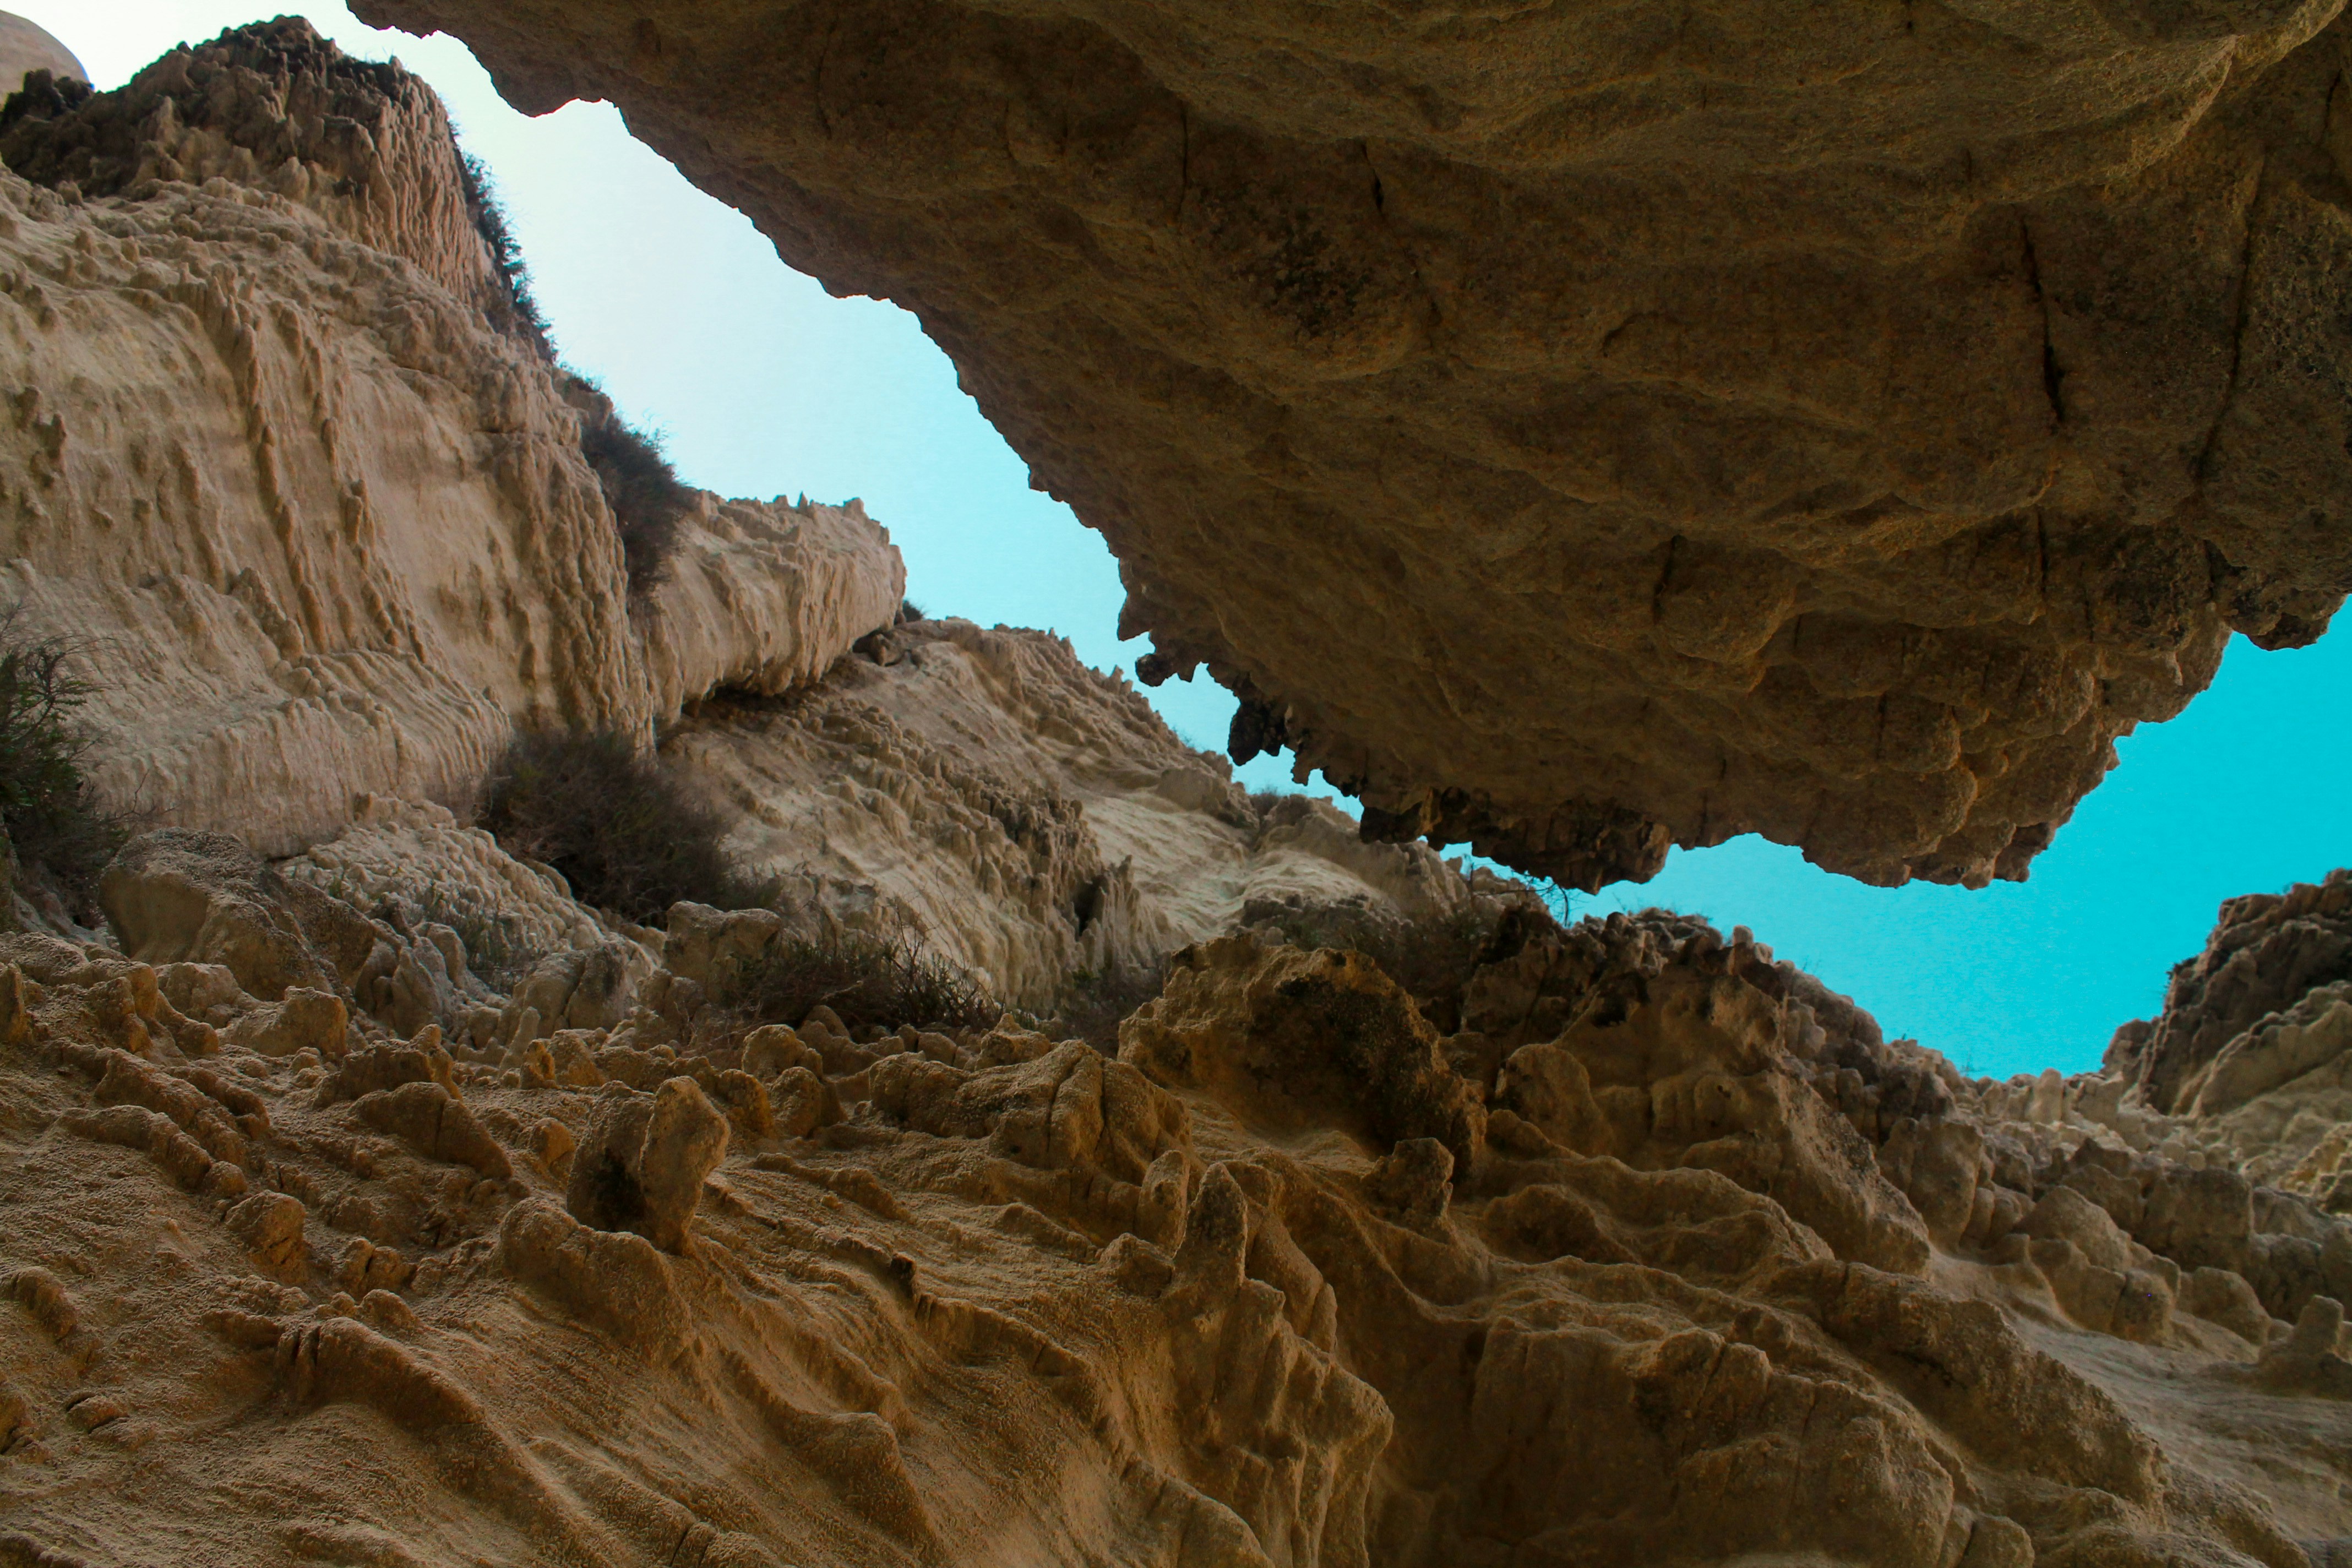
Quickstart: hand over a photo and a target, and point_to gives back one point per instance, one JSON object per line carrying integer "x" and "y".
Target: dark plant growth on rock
{"x": 520, "y": 314}
{"x": 639, "y": 485}
{"x": 867, "y": 980}
{"x": 52, "y": 819}
{"x": 621, "y": 829}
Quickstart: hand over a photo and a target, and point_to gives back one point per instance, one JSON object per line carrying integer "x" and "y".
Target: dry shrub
{"x": 647, "y": 498}
{"x": 622, "y": 829}
{"x": 1097, "y": 1002}
{"x": 866, "y": 979}
{"x": 517, "y": 311}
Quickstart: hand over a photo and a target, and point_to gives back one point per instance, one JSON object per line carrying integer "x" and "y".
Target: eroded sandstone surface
{"x": 323, "y": 1247}
{"x": 313, "y": 512}
{"x": 1581, "y": 430}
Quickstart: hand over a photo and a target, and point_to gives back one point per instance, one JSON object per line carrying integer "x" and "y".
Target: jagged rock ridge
{"x": 1583, "y": 431}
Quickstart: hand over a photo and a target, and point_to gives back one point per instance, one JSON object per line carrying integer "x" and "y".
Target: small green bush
{"x": 866, "y": 979}
{"x": 624, "y": 831}
{"x": 52, "y": 819}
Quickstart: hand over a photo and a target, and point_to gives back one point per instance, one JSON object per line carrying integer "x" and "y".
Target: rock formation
{"x": 1030, "y": 816}
{"x": 1582, "y": 431}
{"x": 1663, "y": 1255}
{"x": 369, "y": 1200}
{"x": 315, "y": 517}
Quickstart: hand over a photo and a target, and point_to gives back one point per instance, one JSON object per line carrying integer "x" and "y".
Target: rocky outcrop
{"x": 2250, "y": 1064}
{"x": 2270, "y": 955}
{"x": 1664, "y": 1254}
{"x": 317, "y": 523}
{"x": 1030, "y": 819}
{"x": 382, "y": 1203}
{"x": 1578, "y": 432}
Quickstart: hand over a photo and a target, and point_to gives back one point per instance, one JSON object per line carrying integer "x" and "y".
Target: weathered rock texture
{"x": 1662, "y": 1255}
{"x": 316, "y": 520}
{"x": 2249, "y": 1063}
{"x": 1028, "y": 817}
{"x": 382, "y": 1204}
{"x": 1582, "y": 430}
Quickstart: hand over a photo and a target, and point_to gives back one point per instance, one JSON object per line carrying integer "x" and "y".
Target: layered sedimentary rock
{"x": 1663, "y": 1255}
{"x": 313, "y": 512}
{"x": 2250, "y": 1064}
{"x": 1578, "y": 431}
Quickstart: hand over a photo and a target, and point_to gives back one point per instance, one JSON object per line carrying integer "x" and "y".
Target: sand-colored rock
{"x": 1582, "y": 431}
{"x": 383, "y": 1204}
{"x": 320, "y": 526}
{"x": 1624, "y": 1271}
{"x": 1027, "y": 817}
{"x": 2249, "y": 1066}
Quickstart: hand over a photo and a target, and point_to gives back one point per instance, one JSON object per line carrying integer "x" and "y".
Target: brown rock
{"x": 642, "y": 1165}
{"x": 1288, "y": 1038}
{"x": 2267, "y": 953}
{"x": 270, "y": 1226}
{"x": 436, "y": 1124}
{"x": 1619, "y": 432}
{"x": 178, "y": 896}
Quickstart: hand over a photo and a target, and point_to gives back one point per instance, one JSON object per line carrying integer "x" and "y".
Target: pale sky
{"x": 767, "y": 386}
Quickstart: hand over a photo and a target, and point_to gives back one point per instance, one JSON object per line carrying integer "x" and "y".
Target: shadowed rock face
{"x": 1583, "y": 429}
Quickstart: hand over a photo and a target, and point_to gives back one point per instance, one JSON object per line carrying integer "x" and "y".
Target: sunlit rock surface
{"x": 380, "y": 1203}
{"x": 313, "y": 516}
{"x": 1663, "y": 1255}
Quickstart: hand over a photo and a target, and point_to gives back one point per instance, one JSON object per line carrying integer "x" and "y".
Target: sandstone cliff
{"x": 315, "y": 516}
{"x": 1030, "y": 816}
{"x": 1578, "y": 430}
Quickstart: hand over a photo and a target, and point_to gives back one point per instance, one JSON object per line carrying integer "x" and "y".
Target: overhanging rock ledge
{"x": 1583, "y": 429}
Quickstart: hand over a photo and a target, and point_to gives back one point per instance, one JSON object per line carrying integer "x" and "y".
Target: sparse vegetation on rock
{"x": 647, "y": 500}
{"x": 625, "y": 831}
{"x": 370, "y": 1198}
{"x": 520, "y": 313}
{"x": 867, "y": 980}
{"x": 54, "y": 821}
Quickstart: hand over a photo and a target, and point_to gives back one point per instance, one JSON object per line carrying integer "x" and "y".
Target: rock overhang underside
{"x": 1578, "y": 431}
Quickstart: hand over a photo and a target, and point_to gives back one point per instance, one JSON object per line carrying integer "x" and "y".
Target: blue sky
{"x": 765, "y": 385}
